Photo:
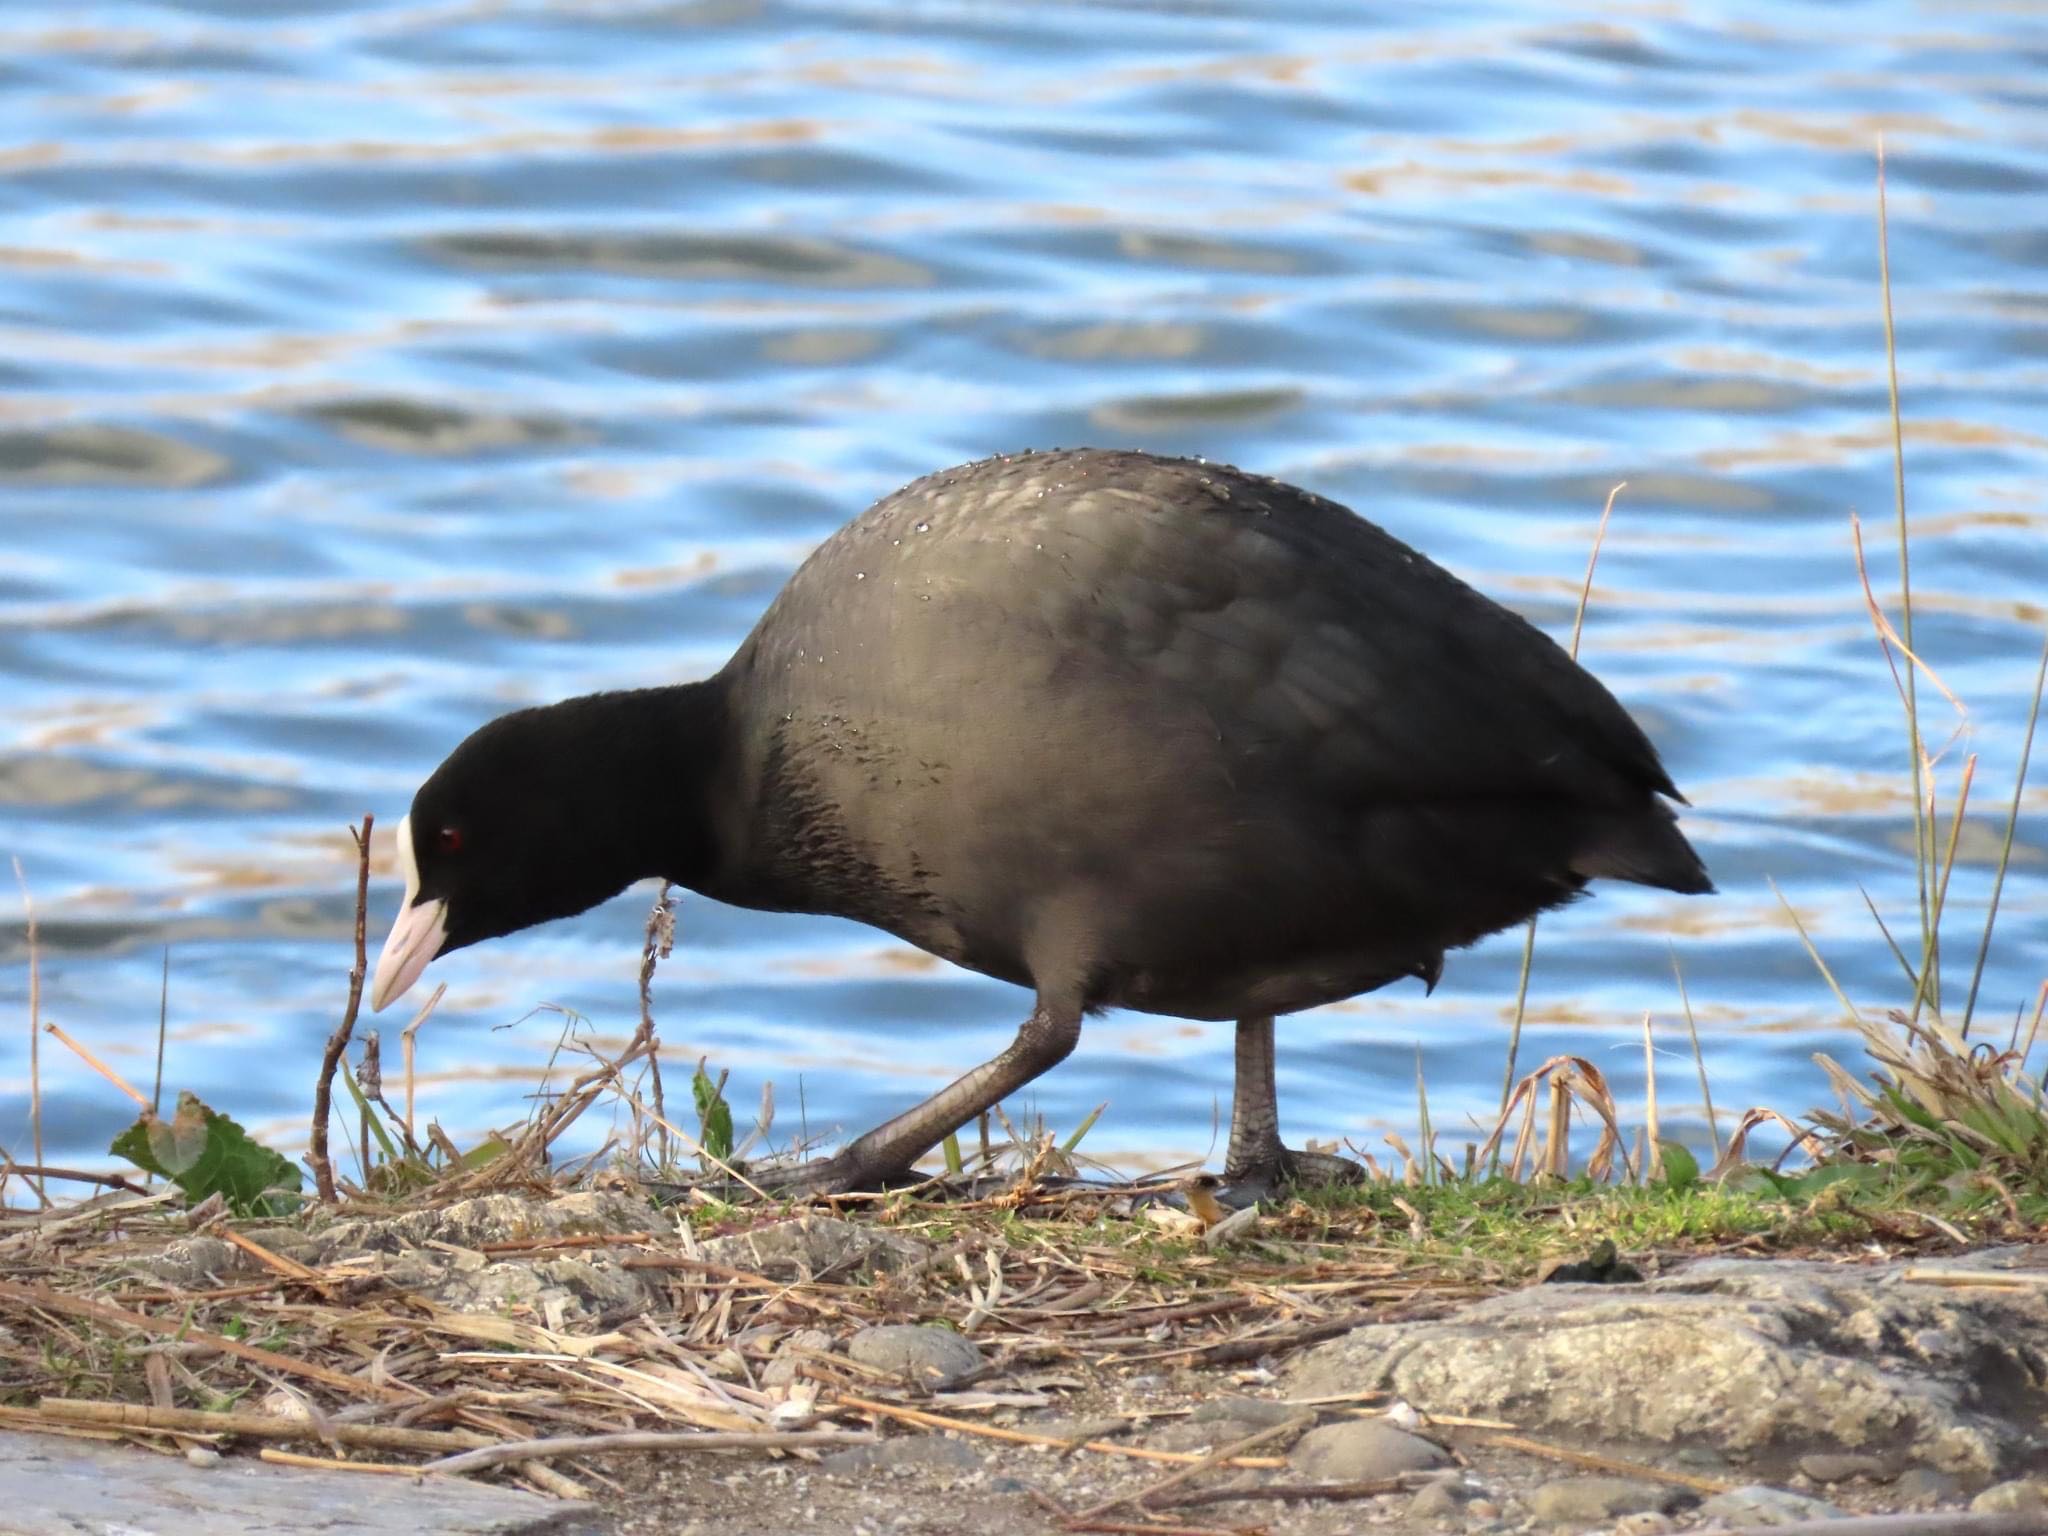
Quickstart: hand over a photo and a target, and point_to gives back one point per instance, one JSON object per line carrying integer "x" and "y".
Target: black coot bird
{"x": 1132, "y": 732}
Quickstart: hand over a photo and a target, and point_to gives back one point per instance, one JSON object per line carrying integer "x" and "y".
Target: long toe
{"x": 1276, "y": 1177}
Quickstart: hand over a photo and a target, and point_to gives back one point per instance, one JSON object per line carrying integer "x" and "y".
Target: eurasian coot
{"x": 1129, "y": 731}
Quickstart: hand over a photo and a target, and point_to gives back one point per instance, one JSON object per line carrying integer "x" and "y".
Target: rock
{"x": 1645, "y": 1523}
{"x": 1359, "y": 1450}
{"x": 1081, "y": 1431}
{"x": 491, "y": 1219}
{"x": 816, "y": 1247}
{"x": 1843, "y": 1466}
{"x": 2022, "y": 1496}
{"x": 788, "y": 1364}
{"x": 1442, "y": 1500}
{"x": 1193, "y": 1434}
{"x": 1947, "y": 1375}
{"x": 1259, "y": 1412}
{"x": 52, "y": 1484}
{"x": 935, "y": 1453}
{"x": 194, "y": 1263}
{"x": 1759, "y": 1505}
{"x": 929, "y": 1357}
{"x": 1924, "y": 1486}
{"x": 1585, "y": 1500}
{"x": 588, "y": 1287}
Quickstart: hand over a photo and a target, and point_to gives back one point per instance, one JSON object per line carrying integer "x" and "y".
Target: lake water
{"x": 373, "y": 366}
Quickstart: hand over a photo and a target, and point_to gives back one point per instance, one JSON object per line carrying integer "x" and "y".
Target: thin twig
{"x": 1020, "y": 1437}
{"x": 2012, "y": 821}
{"x": 1370, "y": 1489}
{"x": 35, "y": 1011}
{"x": 648, "y": 1440}
{"x": 262, "y": 1426}
{"x": 323, "y": 1087}
{"x": 1221, "y": 1456}
{"x": 163, "y": 1020}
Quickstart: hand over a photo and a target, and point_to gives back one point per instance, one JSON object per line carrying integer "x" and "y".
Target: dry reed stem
{"x": 35, "y": 1012}
{"x": 648, "y": 1440}
{"x": 1222, "y": 1456}
{"x": 323, "y": 1086}
{"x": 57, "y": 1033}
{"x": 335, "y": 1464}
{"x": 101, "y": 1312}
{"x": 261, "y": 1426}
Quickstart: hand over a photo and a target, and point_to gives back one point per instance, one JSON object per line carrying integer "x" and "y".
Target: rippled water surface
{"x": 374, "y": 366}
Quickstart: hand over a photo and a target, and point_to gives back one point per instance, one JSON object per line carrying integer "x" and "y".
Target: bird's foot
{"x": 1280, "y": 1171}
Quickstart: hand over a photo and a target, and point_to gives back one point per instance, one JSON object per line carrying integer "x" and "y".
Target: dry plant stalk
{"x": 35, "y": 1015}
{"x": 323, "y": 1086}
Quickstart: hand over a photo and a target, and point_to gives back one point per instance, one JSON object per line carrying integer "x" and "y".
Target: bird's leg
{"x": 1257, "y": 1162}
{"x": 1043, "y": 1042}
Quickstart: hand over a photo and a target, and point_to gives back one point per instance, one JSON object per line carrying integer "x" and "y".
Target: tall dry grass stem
{"x": 35, "y": 1031}
{"x": 1923, "y": 847}
{"x": 1507, "y": 1081}
{"x": 2012, "y": 821}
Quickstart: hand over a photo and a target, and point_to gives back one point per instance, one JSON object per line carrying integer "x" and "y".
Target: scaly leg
{"x": 1043, "y": 1042}
{"x": 1257, "y": 1161}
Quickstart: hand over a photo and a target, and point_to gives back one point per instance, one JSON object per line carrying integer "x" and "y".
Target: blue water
{"x": 373, "y": 366}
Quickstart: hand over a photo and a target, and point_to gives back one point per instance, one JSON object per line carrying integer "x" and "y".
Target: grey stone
{"x": 1759, "y": 1505}
{"x": 1583, "y": 1500}
{"x": 1192, "y": 1434}
{"x": 1854, "y": 1357}
{"x": 584, "y": 1288}
{"x": 194, "y": 1263}
{"x": 1925, "y": 1486}
{"x": 52, "y": 1484}
{"x": 1262, "y": 1412}
{"x": 1843, "y": 1466}
{"x": 501, "y": 1218}
{"x": 930, "y": 1357}
{"x": 2022, "y": 1496}
{"x": 1359, "y": 1450}
{"x": 1441, "y": 1500}
{"x": 932, "y": 1453}
{"x": 1080, "y": 1431}
{"x": 814, "y": 1247}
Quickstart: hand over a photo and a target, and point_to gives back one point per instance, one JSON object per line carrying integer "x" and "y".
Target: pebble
{"x": 1443, "y": 1499}
{"x": 202, "y": 1455}
{"x": 2022, "y": 1496}
{"x": 1581, "y": 1500}
{"x": 1359, "y": 1450}
{"x": 1758, "y": 1504}
{"x": 1842, "y": 1466}
{"x": 1924, "y": 1485}
{"x": 931, "y": 1357}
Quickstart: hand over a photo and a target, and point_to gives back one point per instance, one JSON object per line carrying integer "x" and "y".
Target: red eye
{"x": 449, "y": 840}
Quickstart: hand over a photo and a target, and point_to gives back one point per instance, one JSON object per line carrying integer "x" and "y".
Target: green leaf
{"x": 205, "y": 1153}
{"x": 1681, "y": 1168}
{"x": 714, "y": 1114}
